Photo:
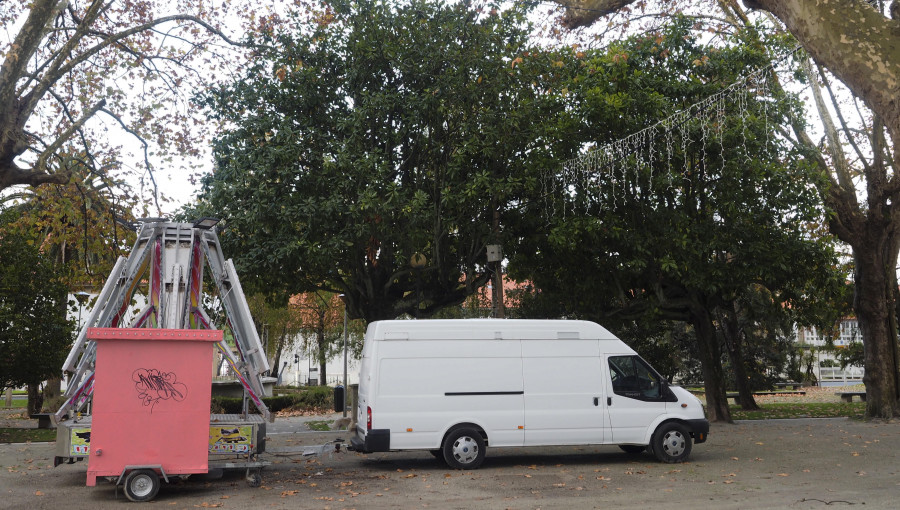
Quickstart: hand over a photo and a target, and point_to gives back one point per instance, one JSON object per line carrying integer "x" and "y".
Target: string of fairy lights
{"x": 647, "y": 158}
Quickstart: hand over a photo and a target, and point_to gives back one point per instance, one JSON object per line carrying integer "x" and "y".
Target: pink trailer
{"x": 151, "y": 406}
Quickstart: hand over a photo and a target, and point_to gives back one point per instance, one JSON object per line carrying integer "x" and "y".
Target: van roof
{"x": 487, "y": 329}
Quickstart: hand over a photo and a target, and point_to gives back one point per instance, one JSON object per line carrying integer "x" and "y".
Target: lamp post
{"x": 417, "y": 262}
{"x": 82, "y": 297}
{"x": 344, "y": 299}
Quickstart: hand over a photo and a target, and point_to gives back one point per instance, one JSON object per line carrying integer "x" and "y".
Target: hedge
{"x": 311, "y": 398}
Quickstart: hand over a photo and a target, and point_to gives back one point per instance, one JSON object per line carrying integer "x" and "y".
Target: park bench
{"x": 789, "y": 384}
{"x": 736, "y": 396}
{"x": 847, "y": 396}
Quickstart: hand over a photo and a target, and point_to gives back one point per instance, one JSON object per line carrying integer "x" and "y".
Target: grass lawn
{"x": 781, "y": 410}
{"x": 320, "y": 425}
{"x": 9, "y": 435}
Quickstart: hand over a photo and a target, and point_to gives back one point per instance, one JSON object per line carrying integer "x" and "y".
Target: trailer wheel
{"x": 254, "y": 479}
{"x": 632, "y": 448}
{"x": 671, "y": 443}
{"x": 141, "y": 485}
{"x": 464, "y": 449}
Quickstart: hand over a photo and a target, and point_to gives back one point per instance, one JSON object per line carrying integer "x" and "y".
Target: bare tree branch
{"x": 41, "y": 163}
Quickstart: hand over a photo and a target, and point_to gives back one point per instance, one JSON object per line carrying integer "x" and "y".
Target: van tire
{"x": 671, "y": 442}
{"x": 464, "y": 448}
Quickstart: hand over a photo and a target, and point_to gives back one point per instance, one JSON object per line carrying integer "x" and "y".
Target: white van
{"x": 455, "y": 387}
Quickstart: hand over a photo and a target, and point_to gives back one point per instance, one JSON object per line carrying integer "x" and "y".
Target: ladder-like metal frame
{"x": 169, "y": 258}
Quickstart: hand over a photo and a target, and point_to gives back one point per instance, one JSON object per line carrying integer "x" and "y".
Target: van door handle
{"x": 608, "y": 401}
{"x": 596, "y": 401}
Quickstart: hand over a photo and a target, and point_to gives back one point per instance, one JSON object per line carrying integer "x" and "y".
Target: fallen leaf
{"x": 38, "y": 493}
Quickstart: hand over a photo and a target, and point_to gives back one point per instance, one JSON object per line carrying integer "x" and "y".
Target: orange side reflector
{"x": 409, "y": 430}
{"x": 521, "y": 427}
{"x": 683, "y": 405}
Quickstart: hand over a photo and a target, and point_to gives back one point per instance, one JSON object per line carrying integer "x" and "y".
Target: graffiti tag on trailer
{"x": 153, "y": 386}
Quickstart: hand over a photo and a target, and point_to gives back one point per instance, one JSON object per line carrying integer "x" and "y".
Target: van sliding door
{"x": 564, "y": 393}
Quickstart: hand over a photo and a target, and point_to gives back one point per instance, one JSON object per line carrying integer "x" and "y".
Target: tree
{"x": 278, "y": 326}
{"x": 34, "y": 336}
{"x": 77, "y": 228}
{"x": 682, "y": 235}
{"x": 67, "y": 61}
{"x": 83, "y": 225}
{"x": 323, "y": 328}
{"x": 859, "y": 45}
{"x": 384, "y": 133}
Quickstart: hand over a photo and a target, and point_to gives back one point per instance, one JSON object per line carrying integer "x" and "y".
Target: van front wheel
{"x": 464, "y": 449}
{"x": 671, "y": 443}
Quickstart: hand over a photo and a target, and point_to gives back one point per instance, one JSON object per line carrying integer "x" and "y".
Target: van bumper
{"x": 699, "y": 429}
{"x": 376, "y": 440}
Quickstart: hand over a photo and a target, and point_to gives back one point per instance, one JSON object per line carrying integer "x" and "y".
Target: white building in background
{"x": 299, "y": 368}
{"x": 833, "y": 375}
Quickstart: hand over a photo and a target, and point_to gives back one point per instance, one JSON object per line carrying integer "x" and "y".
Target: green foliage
{"x": 34, "y": 332}
{"x": 381, "y": 131}
{"x": 312, "y": 398}
{"x": 852, "y": 355}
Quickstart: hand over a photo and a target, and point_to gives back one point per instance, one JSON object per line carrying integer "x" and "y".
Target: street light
{"x": 344, "y": 299}
{"x": 82, "y": 297}
{"x": 206, "y": 223}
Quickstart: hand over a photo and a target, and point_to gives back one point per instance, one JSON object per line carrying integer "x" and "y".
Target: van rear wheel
{"x": 671, "y": 443}
{"x": 464, "y": 449}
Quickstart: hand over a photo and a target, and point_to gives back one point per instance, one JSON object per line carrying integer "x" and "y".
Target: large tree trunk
{"x": 35, "y": 400}
{"x": 731, "y": 330}
{"x": 877, "y": 323}
{"x": 711, "y": 364}
{"x": 320, "y": 356}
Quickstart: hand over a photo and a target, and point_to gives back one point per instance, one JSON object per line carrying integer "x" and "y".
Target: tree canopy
{"x": 79, "y": 78}
{"x": 856, "y": 41}
{"x": 34, "y": 331}
{"x": 723, "y": 208}
{"x": 383, "y": 133}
